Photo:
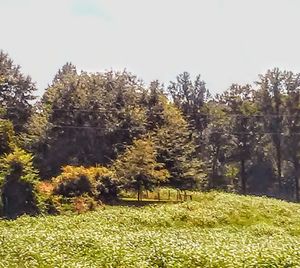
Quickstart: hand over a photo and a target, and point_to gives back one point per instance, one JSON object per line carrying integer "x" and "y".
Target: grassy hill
{"x": 215, "y": 230}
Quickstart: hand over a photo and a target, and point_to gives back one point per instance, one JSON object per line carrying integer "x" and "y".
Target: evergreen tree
{"x": 243, "y": 125}
{"x": 270, "y": 101}
{"x": 218, "y": 143}
{"x": 16, "y": 93}
{"x": 191, "y": 97}
{"x": 176, "y": 149}
{"x": 292, "y": 124}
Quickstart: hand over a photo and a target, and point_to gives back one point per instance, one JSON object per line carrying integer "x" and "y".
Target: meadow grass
{"x": 215, "y": 230}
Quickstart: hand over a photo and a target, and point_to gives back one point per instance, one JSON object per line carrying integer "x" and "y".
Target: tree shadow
{"x": 129, "y": 202}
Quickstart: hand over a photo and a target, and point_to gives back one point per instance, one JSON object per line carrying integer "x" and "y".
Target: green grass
{"x": 215, "y": 230}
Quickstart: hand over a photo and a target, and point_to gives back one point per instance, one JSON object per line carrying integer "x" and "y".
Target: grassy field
{"x": 215, "y": 230}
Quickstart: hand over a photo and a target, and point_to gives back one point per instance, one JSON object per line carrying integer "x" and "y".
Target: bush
{"x": 73, "y": 181}
{"x": 106, "y": 185}
{"x": 82, "y": 188}
{"x": 18, "y": 180}
{"x": 84, "y": 203}
{"x": 48, "y": 203}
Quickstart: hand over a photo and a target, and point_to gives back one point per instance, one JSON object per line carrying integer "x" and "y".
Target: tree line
{"x": 245, "y": 139}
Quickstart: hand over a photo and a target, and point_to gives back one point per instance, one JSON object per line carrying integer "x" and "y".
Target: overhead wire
{"x": 207, "y": 115}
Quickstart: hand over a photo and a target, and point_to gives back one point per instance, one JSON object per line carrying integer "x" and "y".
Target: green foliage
{"x": 83, "y": 204}
{"x": 218, "y": 143}
{"x": 85, "y": 119}
{"x": 191, "y": 98}
{"x": 48, "y": 203}
{"x": 7, "y": 137}
{"x": 272, "y": 87}
{"x": 73, "y": 181}
{"x": 97, "y": 182}
{"x": 107, "y": 186}
{"x": 18, "y": 179}
{"x": 231, "y": 174}
{"x": 16, "y": 93}
{"x": 154, "y": 102}
{"x": 100, "y": 113}
{"x": 248, "y": 232}
{"x": 137, "y": 167}
{"x": 60, "y": 205}
{"x": 242, "y": 109}
{"x": 176, "y": 149}
{"x": 18, "y": 165}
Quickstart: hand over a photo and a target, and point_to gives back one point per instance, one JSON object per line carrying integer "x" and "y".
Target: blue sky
{"x": 225, "y": 41}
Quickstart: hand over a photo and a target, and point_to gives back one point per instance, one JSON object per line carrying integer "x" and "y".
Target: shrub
{"x": 82, "y": 188}
{"x": 48, "y": 203}
{"x": 73, "y": 181}
{"x": 83, "y": 204}
{"x": 106, "y": 184}
{"x": 45, "y": 187}
{"x": 18, "y": 180}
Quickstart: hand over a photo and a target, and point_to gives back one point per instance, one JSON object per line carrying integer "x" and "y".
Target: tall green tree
{"x": 153, "y": 101}
{"x": 176, "y": 148}
{"x": 243, "y": 124}
{"x": 16, "y": 93}
{"x": 292, "y": 124}
{"x": 218, "y": 143}
{"x": 190, "y": 97}
{"x": 100, "y": 113}
{"x": 270, "y": 100}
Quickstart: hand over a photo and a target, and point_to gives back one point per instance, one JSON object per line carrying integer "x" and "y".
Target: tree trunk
{"x": 278, "y": 139}
{"x": 139, "y": 187}
{"x": 296, "y": 166}
{"x": 214, "y": 168}
{"x": 278, "y": 152}
{"x": 297, "y": 187}
{"x": 213, "y": 174}
{"x": 139, "y": 193}
{"x": 243, "y": 177}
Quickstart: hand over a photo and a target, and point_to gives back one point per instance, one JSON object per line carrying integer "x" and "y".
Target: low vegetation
{"x": 215, "y": 230}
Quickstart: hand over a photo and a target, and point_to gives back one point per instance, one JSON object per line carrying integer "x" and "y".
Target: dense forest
{"x": 92, "y": 135}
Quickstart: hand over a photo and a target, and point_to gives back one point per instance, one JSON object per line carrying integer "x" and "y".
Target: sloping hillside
{"x": 216, "y": 230}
